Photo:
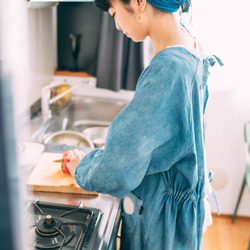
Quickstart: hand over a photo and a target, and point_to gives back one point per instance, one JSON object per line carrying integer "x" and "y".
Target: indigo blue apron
{"x": 154, "y": 155}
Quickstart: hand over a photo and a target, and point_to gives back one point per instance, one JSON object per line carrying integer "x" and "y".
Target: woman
{"x": 154, "y": 151}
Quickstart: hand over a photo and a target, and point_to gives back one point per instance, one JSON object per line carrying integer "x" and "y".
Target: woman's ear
{"x": 141, "y": 4}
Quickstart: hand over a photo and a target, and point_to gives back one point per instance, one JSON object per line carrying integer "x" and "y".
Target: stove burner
{"x": 56, "y": 241}
{"x": 49, "y": 226}
{"x": 61, "y": 227}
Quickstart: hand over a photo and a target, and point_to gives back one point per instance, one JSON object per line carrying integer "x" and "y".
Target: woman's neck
{"x": 165, "y": 30}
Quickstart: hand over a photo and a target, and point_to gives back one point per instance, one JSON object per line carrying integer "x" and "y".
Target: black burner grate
{"x": 57, "y": 226}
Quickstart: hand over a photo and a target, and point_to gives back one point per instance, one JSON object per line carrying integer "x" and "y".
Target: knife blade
{"x": 59, "y": 161}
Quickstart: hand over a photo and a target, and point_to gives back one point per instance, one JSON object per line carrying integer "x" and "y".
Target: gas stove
{"x": 58, "y": 226}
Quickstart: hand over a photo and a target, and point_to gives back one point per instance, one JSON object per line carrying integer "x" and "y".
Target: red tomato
{"x": 66, "y": 159}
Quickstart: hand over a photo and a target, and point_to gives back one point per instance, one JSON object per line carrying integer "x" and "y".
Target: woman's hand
{"x": 74, "y": 158}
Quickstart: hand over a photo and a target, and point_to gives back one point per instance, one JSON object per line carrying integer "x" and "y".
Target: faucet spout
{"x": 59, "y": 96}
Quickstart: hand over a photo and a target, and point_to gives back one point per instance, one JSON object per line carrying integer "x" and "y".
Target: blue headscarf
{"x": 167, "y": 5}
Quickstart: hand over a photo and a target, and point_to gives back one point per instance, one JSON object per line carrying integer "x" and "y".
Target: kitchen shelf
{"x": 71, "y": 73}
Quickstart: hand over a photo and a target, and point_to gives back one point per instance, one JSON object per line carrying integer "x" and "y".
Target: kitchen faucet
{"x": 46, "y": 91}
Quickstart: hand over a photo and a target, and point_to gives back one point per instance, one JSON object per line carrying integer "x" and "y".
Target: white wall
{"x": 42, "y": 48}
{"x": 14, "y": 50}
{"x": 223, "y": 27}
{"x": 226, "y": 114}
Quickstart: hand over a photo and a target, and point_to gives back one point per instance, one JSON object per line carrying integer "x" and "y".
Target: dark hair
{"x": 105, "y": 4}
{"x": 185, "y": 7}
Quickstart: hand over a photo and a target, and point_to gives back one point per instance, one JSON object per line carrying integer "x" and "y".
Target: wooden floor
{"x": 223, "y": 235}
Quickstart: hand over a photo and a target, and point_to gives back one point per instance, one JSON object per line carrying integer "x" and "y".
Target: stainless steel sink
{"x": 80, "y": 113}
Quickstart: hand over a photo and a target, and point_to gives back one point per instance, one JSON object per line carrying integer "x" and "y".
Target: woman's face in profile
{"x": 125, "y": 19}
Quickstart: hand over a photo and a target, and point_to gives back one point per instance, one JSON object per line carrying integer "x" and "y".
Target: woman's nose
{"x": 117, "y": 25}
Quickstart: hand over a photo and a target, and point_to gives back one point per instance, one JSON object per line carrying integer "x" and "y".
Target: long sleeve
{"x": 144, "y": 137}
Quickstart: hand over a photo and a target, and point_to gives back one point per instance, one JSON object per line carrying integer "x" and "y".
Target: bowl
{"x": 97, "y": 135}
{"x": 69, "y": 138}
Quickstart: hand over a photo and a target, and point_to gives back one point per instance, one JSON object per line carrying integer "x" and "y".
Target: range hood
{"x": 47, "y": 2}
{"x": 41, "y": 4}
{"x": 37, "y": 4}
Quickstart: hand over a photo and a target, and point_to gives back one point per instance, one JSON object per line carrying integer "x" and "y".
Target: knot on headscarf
{"x": 167, "y": 5}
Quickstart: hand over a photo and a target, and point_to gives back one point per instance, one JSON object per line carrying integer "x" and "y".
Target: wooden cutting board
{"x": 48, "y": 176}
